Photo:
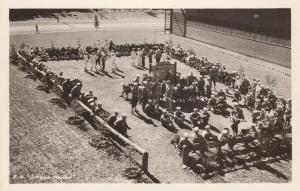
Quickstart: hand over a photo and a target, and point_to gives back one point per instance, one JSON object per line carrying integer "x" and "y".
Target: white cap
{"x": 196, "y": 129}
{"x": 186, "y": 135}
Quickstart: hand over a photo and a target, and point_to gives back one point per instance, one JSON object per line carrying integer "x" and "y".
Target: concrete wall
{"x": 253, "y": 44}
{"x": 272, "y": 53}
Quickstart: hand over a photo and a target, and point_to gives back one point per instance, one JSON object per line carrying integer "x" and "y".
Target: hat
{"x": 78, "y": 83}
{"x": 207, "y": 127}
{"x": 224, "y": 132}
{"x": 124, "y": 115}
{"x": 195, "y": 109}
{"x": 196, "y": 129}
{"x": 186, "y": 135}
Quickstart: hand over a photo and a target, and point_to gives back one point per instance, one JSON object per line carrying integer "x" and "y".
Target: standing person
{"x": 236, "y": 116}
{"x": 169, "y": 95}
{"x": 213, "y": 73}
{"x": 135, "y": 97}
{"x": 156, "y": 93}
{"x": 144, "y": 95}
{"x": 143, "y": 54}
{"x": 93, "y": 61}
{"x": 139, "y": 57}
{"x": 111, "y": 45}
{"x": 96, "y": 23}
{"x": 133, "y": 57}
{"x": 98, "y": 59}
{"x": 86, "y": 58}
{"x": 150, "y": 55}
{"x": 37, "y": 28}
{"x": 103, "y": 60}
{"x": 164, "y": 56}
{"x": 157, "y": 56}
{"x": 113, "y": 60}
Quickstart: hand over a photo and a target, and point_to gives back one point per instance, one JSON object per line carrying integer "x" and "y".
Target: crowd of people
{"x": 271, "y": 114}
{"x": 71, "y": 89}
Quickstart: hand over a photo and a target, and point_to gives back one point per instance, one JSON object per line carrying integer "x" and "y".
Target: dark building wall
{"x": 261, "y": 33}
{"x": 178, "y": 22}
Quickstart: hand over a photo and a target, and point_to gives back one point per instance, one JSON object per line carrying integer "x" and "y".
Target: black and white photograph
{"x": 150, "y": 95}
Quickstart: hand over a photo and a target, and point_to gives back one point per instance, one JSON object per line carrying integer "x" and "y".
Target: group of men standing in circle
{"x": 95, "y": 57}
{"x": 138, "y": 56}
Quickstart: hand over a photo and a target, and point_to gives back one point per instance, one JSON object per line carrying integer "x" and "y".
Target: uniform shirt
{"x": 237, "y": 113}
{"x": 195, "y": 116}
{"x": 111, "y": 119}
{"x": 178, "y": 114}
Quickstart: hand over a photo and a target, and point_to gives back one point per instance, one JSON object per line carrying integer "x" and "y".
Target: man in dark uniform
{"x": 76, "y": 90}
{"x": 166, "y": 120}
{"x": 201, "y": 84}
{"x": 178, "y": 117}
{"x": 150, "y": 55}
{"x": 195, "y": 117}
{"x": 112, "y": 118}
{"x": 121, "y": 125}
{"x": 236, "y": 116}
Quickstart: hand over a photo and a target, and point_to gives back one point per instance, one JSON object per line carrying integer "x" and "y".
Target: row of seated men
{"x": 71, "y": 89}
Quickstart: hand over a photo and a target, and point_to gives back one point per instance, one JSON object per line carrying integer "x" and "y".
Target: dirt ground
{"x": 45, "y": 149}
{"x": 164, "y": 162}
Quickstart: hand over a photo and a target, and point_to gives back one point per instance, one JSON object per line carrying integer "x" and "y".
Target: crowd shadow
{"x": 144, "y": 118}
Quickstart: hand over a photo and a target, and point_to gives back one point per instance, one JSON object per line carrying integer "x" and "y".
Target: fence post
{"x": 145, "y": 162}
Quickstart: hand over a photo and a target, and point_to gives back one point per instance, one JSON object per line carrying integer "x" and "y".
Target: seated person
{"x": 249, "y": 100}
{"x": 125, "y": 90}
{"x": 205, "y": 117}
{"x": 184, "y": 141}
{"x": 112, "y": 118}
{"x": 166, "y": 120}
{"x": 223, "y": 138}
{"x": 236, "y": 96}
{"x": 207, "y": 135}
{"x": 266, "y": 104}
{"x": 212, "y": 102}
{"x": 221, "y": 93}
{"x": 221, "y": 104}
{"x": 179, "y": 117}
{"x": 60, "y": 78}
{"x": 150, "y": 108}
{"x": 121, "y": 126}
{"x": 99, "y": 111}
{"x": 76, "y": 90}
{"x": 199, "y": 143}
{"x": 195, "y": 117}
{"x": 87, "y": 96}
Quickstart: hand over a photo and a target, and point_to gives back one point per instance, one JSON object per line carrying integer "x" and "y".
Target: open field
{"x": 164, "y": 162}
